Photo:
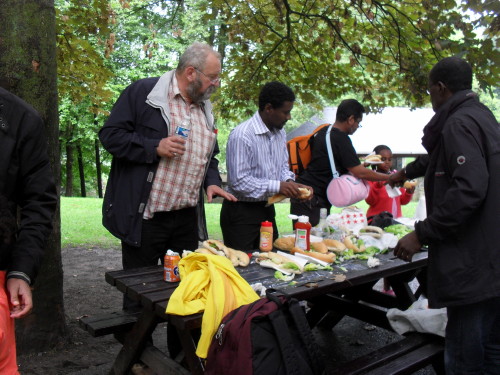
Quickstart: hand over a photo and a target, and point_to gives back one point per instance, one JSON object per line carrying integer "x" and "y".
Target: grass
{"x": 81, "y": 221}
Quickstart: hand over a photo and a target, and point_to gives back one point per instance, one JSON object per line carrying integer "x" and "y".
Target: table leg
{"x": 134, "y": 343}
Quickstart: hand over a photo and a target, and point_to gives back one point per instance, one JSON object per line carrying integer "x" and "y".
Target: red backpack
{"x": 268, "y": 336}
{"x": 299, "y": 151}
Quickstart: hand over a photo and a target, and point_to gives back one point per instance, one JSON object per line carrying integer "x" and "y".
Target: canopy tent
{"x": 398, "y": 128}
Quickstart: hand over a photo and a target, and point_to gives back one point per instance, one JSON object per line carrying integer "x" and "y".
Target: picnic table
{"x": 330, "y": 295}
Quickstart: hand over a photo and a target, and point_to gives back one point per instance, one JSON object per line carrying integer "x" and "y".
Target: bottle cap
{"x": 266, "y": 224}
{"x": 303, "y": 219}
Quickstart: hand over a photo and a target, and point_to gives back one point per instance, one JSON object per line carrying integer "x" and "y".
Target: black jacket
{"x": 462, "y": 179}
{"x": 27, "y": 181}
{"x": 131, "y": 134}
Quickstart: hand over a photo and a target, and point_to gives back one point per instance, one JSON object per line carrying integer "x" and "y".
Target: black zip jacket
{"x": 27, "y": 181}
{"x": 462, "y": 189}
{"x": 131, "y": 134}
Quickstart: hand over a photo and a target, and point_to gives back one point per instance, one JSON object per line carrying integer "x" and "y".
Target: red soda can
{"x": 171, "y": 266}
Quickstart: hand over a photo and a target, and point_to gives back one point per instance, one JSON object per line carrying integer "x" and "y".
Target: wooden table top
{"x": 147, "y": 284}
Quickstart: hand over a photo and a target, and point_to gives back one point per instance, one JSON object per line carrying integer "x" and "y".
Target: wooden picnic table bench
{"x": 326, "y": 292}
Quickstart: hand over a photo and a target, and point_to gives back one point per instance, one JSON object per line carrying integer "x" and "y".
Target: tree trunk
{"x": 69, "y": 170}
{"x": 98, "y": 168}
{"x": 28, "y": 69}
{"x": 81, "y": 170}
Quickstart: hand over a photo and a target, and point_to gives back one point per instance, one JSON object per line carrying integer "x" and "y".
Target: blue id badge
{"x": 182, "y": 132}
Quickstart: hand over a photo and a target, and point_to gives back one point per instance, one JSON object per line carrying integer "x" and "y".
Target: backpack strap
{"x": 312, "y": 349}
{"x": 291, "y": 359}
{"x": 335, "y": 174}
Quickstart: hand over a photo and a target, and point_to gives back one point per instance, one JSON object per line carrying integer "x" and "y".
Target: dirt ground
{"x": 85, "y": 291}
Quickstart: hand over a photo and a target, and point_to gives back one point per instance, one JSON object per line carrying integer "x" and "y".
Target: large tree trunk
{"x": 98, "y": 168}
{"x": 28, "y": 69}
{"x": 68, "y": 191}
{"x": 81, "y": 170}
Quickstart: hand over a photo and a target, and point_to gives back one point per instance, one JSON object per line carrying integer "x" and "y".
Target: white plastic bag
{"x": 419, "y": 317}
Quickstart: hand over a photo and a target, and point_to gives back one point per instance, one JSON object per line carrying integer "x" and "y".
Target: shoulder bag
{"x": 345, "y": 190}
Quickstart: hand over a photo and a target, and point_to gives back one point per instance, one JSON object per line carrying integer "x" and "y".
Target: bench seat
{"x": 415, "y": 351}
{"x": 115, "y": 322}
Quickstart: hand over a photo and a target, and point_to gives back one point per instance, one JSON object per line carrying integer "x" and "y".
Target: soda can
{"x": 171, "y": 266}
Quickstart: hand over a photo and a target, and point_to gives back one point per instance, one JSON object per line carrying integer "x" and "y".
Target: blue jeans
{"x": 472, "y": 343}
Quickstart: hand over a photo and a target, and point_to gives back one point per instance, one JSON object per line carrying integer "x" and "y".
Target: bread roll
{"x": 304, "y": 194}
{"x": 319, "y": 247}
{"x": 410, "y": 184}
{"x": 329, "y": 258}
{"x": 334, "y": 245}
{"x": 284, "y": 243}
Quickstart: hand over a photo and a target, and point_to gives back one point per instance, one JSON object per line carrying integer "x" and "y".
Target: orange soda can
{"x": 171, "y": 266}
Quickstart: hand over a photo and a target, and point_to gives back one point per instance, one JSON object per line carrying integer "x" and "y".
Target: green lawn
{"x": 81, "y": 221}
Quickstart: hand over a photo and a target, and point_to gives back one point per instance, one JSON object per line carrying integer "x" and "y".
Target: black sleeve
{"x": 36, "y": 196}
{"x": 212, "y": 176}
{"x": 417, "y": 167}
{"x": 120, "y": 136}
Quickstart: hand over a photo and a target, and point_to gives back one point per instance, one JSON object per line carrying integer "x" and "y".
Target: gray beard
{"x": 193, "y": 91}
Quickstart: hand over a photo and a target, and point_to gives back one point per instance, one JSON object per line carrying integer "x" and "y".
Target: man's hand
{"x": 171, "y": 147}
{"x": 21, "y": 301}
{"x": 213, "y": 190}
{"x": 290, "y": 189}
{"x": 407, "y": 247}
{"x": 397, "y": 179}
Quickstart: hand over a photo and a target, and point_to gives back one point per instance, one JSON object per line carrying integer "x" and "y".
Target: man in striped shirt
{"x": 257, "y": 166}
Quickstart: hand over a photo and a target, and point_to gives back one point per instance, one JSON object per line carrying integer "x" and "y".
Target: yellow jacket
{"x": 209, "y": 283}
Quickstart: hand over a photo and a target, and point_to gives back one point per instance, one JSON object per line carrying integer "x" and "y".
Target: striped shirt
{"x": 178, "y": 180}
{"x": 256, "y": 160}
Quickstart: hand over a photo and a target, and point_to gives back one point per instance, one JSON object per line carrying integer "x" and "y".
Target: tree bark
{"x": 81, "y": 170}
{"x": 98, "y": 168}
{"x": 28, "y": 69}
{"x": 68, "y": 191}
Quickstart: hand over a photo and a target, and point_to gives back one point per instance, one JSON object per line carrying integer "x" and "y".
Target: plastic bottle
{"x": 302, "y": 232}
{"x": 266, "y": 236}
{"x": 321, "y": 230}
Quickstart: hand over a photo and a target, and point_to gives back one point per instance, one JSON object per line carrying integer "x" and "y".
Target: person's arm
{"x": 20, "y": 297}
{"x": 213, "y": 181}
{"x": 119, "y": 135}
{"x": 367, "y": 174}
{"x": 406, "y": 196}
{"x": 36, "y": 195}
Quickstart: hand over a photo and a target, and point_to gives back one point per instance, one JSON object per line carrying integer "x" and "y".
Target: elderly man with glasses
{"x": 162, "y": 136}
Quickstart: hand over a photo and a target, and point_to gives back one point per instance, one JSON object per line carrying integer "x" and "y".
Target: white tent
{"x": 398, "y": 128}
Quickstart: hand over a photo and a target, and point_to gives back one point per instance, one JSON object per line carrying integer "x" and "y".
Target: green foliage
{"x": 378, "y": 52}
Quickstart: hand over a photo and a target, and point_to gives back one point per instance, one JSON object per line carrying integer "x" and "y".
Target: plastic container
{"x": 321, "y": 230}
{"x": 266, "y": 236}
{"x": 302, "y": 232}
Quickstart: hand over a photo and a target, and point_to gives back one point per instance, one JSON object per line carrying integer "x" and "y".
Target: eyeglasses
{"x": 359, "y": 123}
{"x": 213, "y": 81}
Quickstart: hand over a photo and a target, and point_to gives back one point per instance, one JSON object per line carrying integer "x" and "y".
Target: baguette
{"x": 304, "y": 194}
{"x": 242, "y": 258}
{"x": 350, "y": 245}
{"x": 334, "y": 245}
{"x": 329, "y": 258}
{"x": 284, "y": 243}
{"x": 319, "y": 247}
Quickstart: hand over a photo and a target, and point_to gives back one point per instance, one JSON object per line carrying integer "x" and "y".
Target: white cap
{"x": 303, "y": 219}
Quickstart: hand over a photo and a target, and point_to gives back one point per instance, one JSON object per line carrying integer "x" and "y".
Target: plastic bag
{"x": 419, "y": 317}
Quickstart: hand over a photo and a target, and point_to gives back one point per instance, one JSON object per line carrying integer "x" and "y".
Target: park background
{"x": 70, "y": 59}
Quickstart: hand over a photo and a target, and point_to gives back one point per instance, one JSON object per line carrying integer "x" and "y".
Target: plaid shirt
{"x": 178, "y": 180}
